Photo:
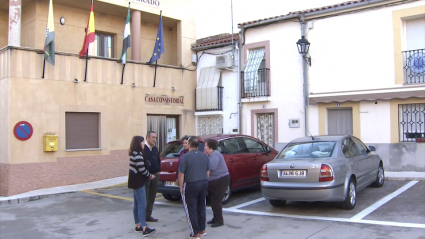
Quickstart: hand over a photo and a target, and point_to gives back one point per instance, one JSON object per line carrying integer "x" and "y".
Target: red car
{"x": 244, "y": 156}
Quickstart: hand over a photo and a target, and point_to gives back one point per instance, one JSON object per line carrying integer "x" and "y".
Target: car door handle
{"x": 254, "y": 158}
{"x": 230, "y": 160}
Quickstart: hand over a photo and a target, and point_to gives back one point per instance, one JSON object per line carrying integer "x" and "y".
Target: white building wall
{"x": 286, "y": 79}
{"x": 229, "y": 79}
{"x": 375, "y": 121}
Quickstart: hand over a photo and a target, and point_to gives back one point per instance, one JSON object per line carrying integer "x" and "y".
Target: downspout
{"x": 305, "y": 81}
{"x": 241, "y": 34}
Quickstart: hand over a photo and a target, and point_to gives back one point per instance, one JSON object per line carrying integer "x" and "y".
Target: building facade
{"x": 93, "y": 120}
{"x": 366, "y": 77}
{"x": 217, "y": 90}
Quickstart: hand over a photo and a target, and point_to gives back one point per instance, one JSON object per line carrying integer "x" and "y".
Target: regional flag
{"x": 49, "y": 44}
{"x": 126, "y": 42}
{"x": 89, "y": 38}
{"x": 159, "y": 43}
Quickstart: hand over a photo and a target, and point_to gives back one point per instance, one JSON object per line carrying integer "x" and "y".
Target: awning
{"x": 402, "y": 92}
{"x": 206, "y": 89}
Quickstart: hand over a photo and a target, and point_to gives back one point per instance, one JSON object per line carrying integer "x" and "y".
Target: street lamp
{"x": 303, "y": 47}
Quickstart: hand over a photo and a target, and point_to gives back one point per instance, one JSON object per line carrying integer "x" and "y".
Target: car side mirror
{"x": 176, "y": 155}
{"x": 372, "y": 148}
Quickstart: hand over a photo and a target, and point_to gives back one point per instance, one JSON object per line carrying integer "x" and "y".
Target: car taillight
{"x": 326, "y": 173}
{"x": 264, "y": 175}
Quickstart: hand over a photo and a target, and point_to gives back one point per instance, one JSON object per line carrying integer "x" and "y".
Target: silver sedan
{"x": 322, "y": 168}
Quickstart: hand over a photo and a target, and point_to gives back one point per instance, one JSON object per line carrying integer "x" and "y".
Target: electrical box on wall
{"x": 294, "y": 123}
{"x": 50, "y": 143}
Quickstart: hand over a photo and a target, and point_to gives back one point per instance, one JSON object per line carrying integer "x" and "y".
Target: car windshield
{"x": 307, "y": 150}
{"x": 172, "y": 150}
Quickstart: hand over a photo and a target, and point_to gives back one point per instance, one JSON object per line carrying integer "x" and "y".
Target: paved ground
{"x": 394, "y": 211}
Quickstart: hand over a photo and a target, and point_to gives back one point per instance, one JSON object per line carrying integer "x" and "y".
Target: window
{"x": 231, "y": 146}
{"x": 411, "y": 118}
{"x": 349, "y": 148}
{"x": 253, "y": 146}
{"x": 360, "y": 146}
{"x": 104, "y": 45}
{"x": 251, "y": 73}
{"x": 82, "y": 130}
{"x": 414, "y": 56}
{"x": 307, "y": 150}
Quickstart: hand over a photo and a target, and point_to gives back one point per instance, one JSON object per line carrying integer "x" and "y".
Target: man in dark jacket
{"x": 152, "y": 154}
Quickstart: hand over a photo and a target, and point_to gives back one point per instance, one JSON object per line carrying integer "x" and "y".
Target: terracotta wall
{"x": 19, "y": 178}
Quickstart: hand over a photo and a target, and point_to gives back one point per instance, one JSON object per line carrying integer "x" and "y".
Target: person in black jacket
{"x": 152, "y": 154}
{"x": 138, "y": 176}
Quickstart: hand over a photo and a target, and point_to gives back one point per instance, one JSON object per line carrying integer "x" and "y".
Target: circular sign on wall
{"x": 23, "y": 130}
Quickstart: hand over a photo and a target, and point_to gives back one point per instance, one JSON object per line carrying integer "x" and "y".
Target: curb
{"x": 32, "y": 198}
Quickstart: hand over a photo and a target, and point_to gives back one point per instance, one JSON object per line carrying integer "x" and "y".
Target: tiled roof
{"x": 306, "y": 11}
{"x": 214, "y": 40}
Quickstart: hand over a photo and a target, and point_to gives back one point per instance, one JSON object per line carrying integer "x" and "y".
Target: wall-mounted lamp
{"x": 303, "y": 47}
{"x": 133, "y": 84}
{"x": 173, "y": 89}
{"x": 62, "y": 21}
{"x": 76, "y": 81}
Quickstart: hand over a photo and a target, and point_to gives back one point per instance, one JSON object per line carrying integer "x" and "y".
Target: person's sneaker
{"x": 138, "y": 229}
{"x": 195, "y": 236}
{"x": 211, "y": 222}
{"x": 203, "y": 233}
{"x": 148, "y": 231}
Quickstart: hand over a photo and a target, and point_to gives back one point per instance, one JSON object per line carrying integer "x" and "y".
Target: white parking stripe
{"x": 372, "y": 222}
{"x": 246, "y": 204}
{"x": 381, "y": 202}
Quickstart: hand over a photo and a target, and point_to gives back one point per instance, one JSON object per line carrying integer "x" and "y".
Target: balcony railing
{"x": 209, "y": 102}
{"x": 414, "y": 66}
{"x": 257, "y": 86}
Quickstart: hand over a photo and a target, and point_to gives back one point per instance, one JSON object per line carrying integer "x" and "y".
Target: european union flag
{"x": 159, "y": 43}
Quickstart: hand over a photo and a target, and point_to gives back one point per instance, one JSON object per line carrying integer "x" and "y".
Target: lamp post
{"x": 303, "y": 47}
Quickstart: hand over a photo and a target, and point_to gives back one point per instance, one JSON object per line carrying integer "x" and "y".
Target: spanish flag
{"x": 49, "y": 44}
{"x": 89, "y": 38}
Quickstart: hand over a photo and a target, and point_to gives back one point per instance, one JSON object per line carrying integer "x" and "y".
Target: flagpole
{"x": 154, "y": 78}
{"x": 87, "y": 60}
{"x": 44, "y": 67}
{"x": 122, "y": 77}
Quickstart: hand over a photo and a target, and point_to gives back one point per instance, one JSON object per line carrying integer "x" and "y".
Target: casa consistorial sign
{"x": 152, "y": 3}
{"x": 164, "y": 100}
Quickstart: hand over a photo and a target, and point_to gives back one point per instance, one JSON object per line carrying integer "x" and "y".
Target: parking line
{"x": 108, "y": 195}
{"x": 359, "y": 216}
{"x": 372, "y": 222}
{"x": 246, "y": 204}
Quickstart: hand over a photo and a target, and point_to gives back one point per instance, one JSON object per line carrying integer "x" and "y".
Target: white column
{"x": 15, "y": 8}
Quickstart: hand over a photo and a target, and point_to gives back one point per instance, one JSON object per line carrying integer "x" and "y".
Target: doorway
{"x": 166, "y": 128}
{"x": 340, "y": 121}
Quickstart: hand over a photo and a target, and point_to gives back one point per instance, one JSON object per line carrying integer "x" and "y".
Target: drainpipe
{"x": 305, "y": 81}
{"x": 241, "y": 33}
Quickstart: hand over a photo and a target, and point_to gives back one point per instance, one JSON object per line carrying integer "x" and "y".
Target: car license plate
{"x": 171, "y": 184}
{"x": 293, "y": 173}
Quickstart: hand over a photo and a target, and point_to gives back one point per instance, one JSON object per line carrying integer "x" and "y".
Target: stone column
{"x": 135, "y": 35}
{"x": 14, "y": 23}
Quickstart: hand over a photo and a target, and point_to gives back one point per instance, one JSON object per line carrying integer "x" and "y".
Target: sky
{"x": 215, "y": 16}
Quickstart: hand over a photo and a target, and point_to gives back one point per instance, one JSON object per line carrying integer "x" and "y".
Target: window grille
{"x": 255, "y": 58}
{"x": 411, "y": 119}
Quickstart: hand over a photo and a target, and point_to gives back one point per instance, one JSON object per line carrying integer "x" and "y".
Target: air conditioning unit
{"x": 224, "y": 62}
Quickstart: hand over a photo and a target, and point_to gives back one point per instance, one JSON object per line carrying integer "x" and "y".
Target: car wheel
{"x": 380, "y": 177}
{"x": 227, "y": 194}
{"x": 351, "y": 197}
{"x": 277, "y": 203}
{"x": 171, "y": 197}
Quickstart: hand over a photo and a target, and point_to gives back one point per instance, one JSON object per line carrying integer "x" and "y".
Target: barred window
{"x": 411, "y": 118}
{"x": 255, "y": 58}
